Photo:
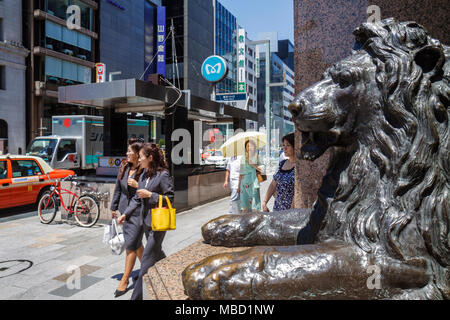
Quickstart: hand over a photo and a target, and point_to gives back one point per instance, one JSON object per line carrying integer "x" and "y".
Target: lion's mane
{"x": 398, "y": 177}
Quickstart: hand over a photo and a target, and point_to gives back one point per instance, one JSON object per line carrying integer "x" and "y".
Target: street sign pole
{"x": 268, "y": 127}
{"x": 267, "y": 104}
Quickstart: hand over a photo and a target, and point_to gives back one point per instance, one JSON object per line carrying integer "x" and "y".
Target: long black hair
{"x": 135, "y": 147}
{"x": 158, "y": 162}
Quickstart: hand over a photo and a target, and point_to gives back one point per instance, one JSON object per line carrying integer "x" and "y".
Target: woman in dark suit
{"x": 154, "y": 181}
{"x": 124, "y": 191}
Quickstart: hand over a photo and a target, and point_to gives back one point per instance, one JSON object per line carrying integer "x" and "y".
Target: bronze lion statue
{"x": 380, "y": 227}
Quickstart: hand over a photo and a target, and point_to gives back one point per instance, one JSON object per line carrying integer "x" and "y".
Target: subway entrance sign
{"x": 226, "y": 97}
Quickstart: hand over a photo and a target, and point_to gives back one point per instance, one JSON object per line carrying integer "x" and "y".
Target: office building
{"x": 127, "y": 38}
{"x": 226, "y": 45}
{"x": 127, "y": 48}
{"x": 286, "y": 52}
{"x": 282, "y": 92}
{"x": 63, "y": 48}
{"x": 12, "y": 78}
{"x": 194, "y": 42}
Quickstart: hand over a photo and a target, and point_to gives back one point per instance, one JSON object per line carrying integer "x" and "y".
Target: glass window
{"x": 53, "y": 67}
{"x": 69, "y": 71}
{"x": 2, "y": 78}
{"x": 57, "y": 32}
{"x": 84, "y": 74}
{"x": 3, "y": 169}
{"x": 65, "y": 147}
{"x": 84, "y": 42}
{"x": 86, "y": 14}
{"x": 57, "y": 8}
{"x": 69, "y": 36}
{"x": 1, "y": 29}
{"x": 42, "y": 148}
{"x": 25, "y": 168}
{"x": 52, "y": 30}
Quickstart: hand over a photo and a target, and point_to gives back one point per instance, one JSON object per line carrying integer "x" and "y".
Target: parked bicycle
{"x": 84, "y": 208}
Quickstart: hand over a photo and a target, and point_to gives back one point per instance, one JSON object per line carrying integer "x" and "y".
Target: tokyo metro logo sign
{"x": 214, "y": 69}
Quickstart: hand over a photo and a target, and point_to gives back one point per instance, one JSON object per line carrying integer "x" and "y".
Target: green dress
{"x": 250, "y": 197}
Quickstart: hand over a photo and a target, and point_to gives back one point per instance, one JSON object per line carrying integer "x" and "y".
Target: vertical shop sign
{"x": 160, "y": 43}
{"x": 241, "y": 60}
{"x": 153, "y": 125}
{"x": 100, "y": 71}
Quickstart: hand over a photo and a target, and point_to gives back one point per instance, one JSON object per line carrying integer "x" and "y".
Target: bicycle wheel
{"x": 47, "y": 208}
{"x": 86, "y": 211}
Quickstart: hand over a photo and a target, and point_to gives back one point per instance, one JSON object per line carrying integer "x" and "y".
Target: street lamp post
{"x": 267, "y": 104}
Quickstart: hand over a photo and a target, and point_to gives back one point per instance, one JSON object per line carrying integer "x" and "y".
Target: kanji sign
{"x": 241, "y": 61}
{"x": 231, "y": 97}
{"x": 160, "y": 43}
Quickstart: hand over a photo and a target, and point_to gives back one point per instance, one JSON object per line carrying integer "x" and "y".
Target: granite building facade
{"x": 323, "y": 35}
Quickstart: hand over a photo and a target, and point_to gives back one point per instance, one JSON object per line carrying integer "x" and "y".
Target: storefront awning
{"x": 132, "y": 95}
{"x": 115, "y": 94}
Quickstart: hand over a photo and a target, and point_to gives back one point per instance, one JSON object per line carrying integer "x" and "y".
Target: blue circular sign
{"x": 214, "y": 68}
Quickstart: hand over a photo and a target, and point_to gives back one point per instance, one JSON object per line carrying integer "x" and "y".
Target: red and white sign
{"x": 100, "y": 71}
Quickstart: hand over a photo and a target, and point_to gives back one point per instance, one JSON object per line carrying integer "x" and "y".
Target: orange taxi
{"x": 23, "y": 179}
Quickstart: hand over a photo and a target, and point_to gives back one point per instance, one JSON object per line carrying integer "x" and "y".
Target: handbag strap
{"x": 168, "y": 203}
{"x": 114, "y": 227}
{"x": 160, "y": 201}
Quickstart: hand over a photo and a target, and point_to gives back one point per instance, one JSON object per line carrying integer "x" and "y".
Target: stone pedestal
{"x": 163, "y": 280}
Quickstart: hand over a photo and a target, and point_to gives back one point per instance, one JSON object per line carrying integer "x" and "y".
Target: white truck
{"x": 77, "y": 141}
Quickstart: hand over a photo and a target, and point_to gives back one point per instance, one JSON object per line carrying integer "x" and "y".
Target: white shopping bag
{"x": 107, "y": 234}
{"x": 117, "y": 242}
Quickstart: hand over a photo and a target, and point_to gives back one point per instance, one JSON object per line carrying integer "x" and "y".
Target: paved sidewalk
{"x": 64, "y": 261}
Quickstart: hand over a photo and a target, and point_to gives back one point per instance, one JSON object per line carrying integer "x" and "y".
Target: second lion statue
{"x": 380, "y": 227}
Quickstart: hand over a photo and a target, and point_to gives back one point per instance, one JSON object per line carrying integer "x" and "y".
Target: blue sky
{"x": 263, "y": 15}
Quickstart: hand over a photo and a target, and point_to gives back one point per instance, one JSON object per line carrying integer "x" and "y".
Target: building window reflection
{"x": 58, "y": 8}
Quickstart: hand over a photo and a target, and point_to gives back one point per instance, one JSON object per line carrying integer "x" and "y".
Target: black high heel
{"x": 119, "y": 293}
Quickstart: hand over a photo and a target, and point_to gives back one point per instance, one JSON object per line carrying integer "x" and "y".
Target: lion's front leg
{"x": 331, "y": 270}
{"x": 257, "y": 228}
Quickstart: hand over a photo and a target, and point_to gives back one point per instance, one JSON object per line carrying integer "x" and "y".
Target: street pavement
{"x": 62, "y": 261}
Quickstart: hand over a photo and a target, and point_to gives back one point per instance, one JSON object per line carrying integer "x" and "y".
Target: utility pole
{"x": 172, "y": 30}
{"x": 281, "y": 84}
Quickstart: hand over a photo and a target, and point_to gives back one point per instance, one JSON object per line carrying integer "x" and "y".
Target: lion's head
{"x": 385, "y": 112}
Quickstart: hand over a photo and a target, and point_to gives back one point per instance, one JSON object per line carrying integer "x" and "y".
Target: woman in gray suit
{"x": 124, "y": 191}
{"x": 154, "y": 181}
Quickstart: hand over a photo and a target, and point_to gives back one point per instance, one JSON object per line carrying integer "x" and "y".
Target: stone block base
{"x": 163, "y": 280}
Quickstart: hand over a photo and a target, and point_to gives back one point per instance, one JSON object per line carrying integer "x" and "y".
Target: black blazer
{"x": 123, "y": 193}
{"x": 159, "y": 184}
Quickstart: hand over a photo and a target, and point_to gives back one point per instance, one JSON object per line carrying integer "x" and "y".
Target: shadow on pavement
{"x": 133, "y": 277}
{"x": 17, "y": 212}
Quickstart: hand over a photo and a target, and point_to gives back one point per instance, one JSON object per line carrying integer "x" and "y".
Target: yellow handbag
{"x": 163, "y": 218}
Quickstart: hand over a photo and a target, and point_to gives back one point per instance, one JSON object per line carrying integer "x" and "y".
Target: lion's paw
{"x": 231, "y": 230}
{"x": 224, "y": 276}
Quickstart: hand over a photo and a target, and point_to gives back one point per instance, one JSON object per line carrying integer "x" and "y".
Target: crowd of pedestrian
{"x": 242, "y": 178}
{"x": 144, "y": 176}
